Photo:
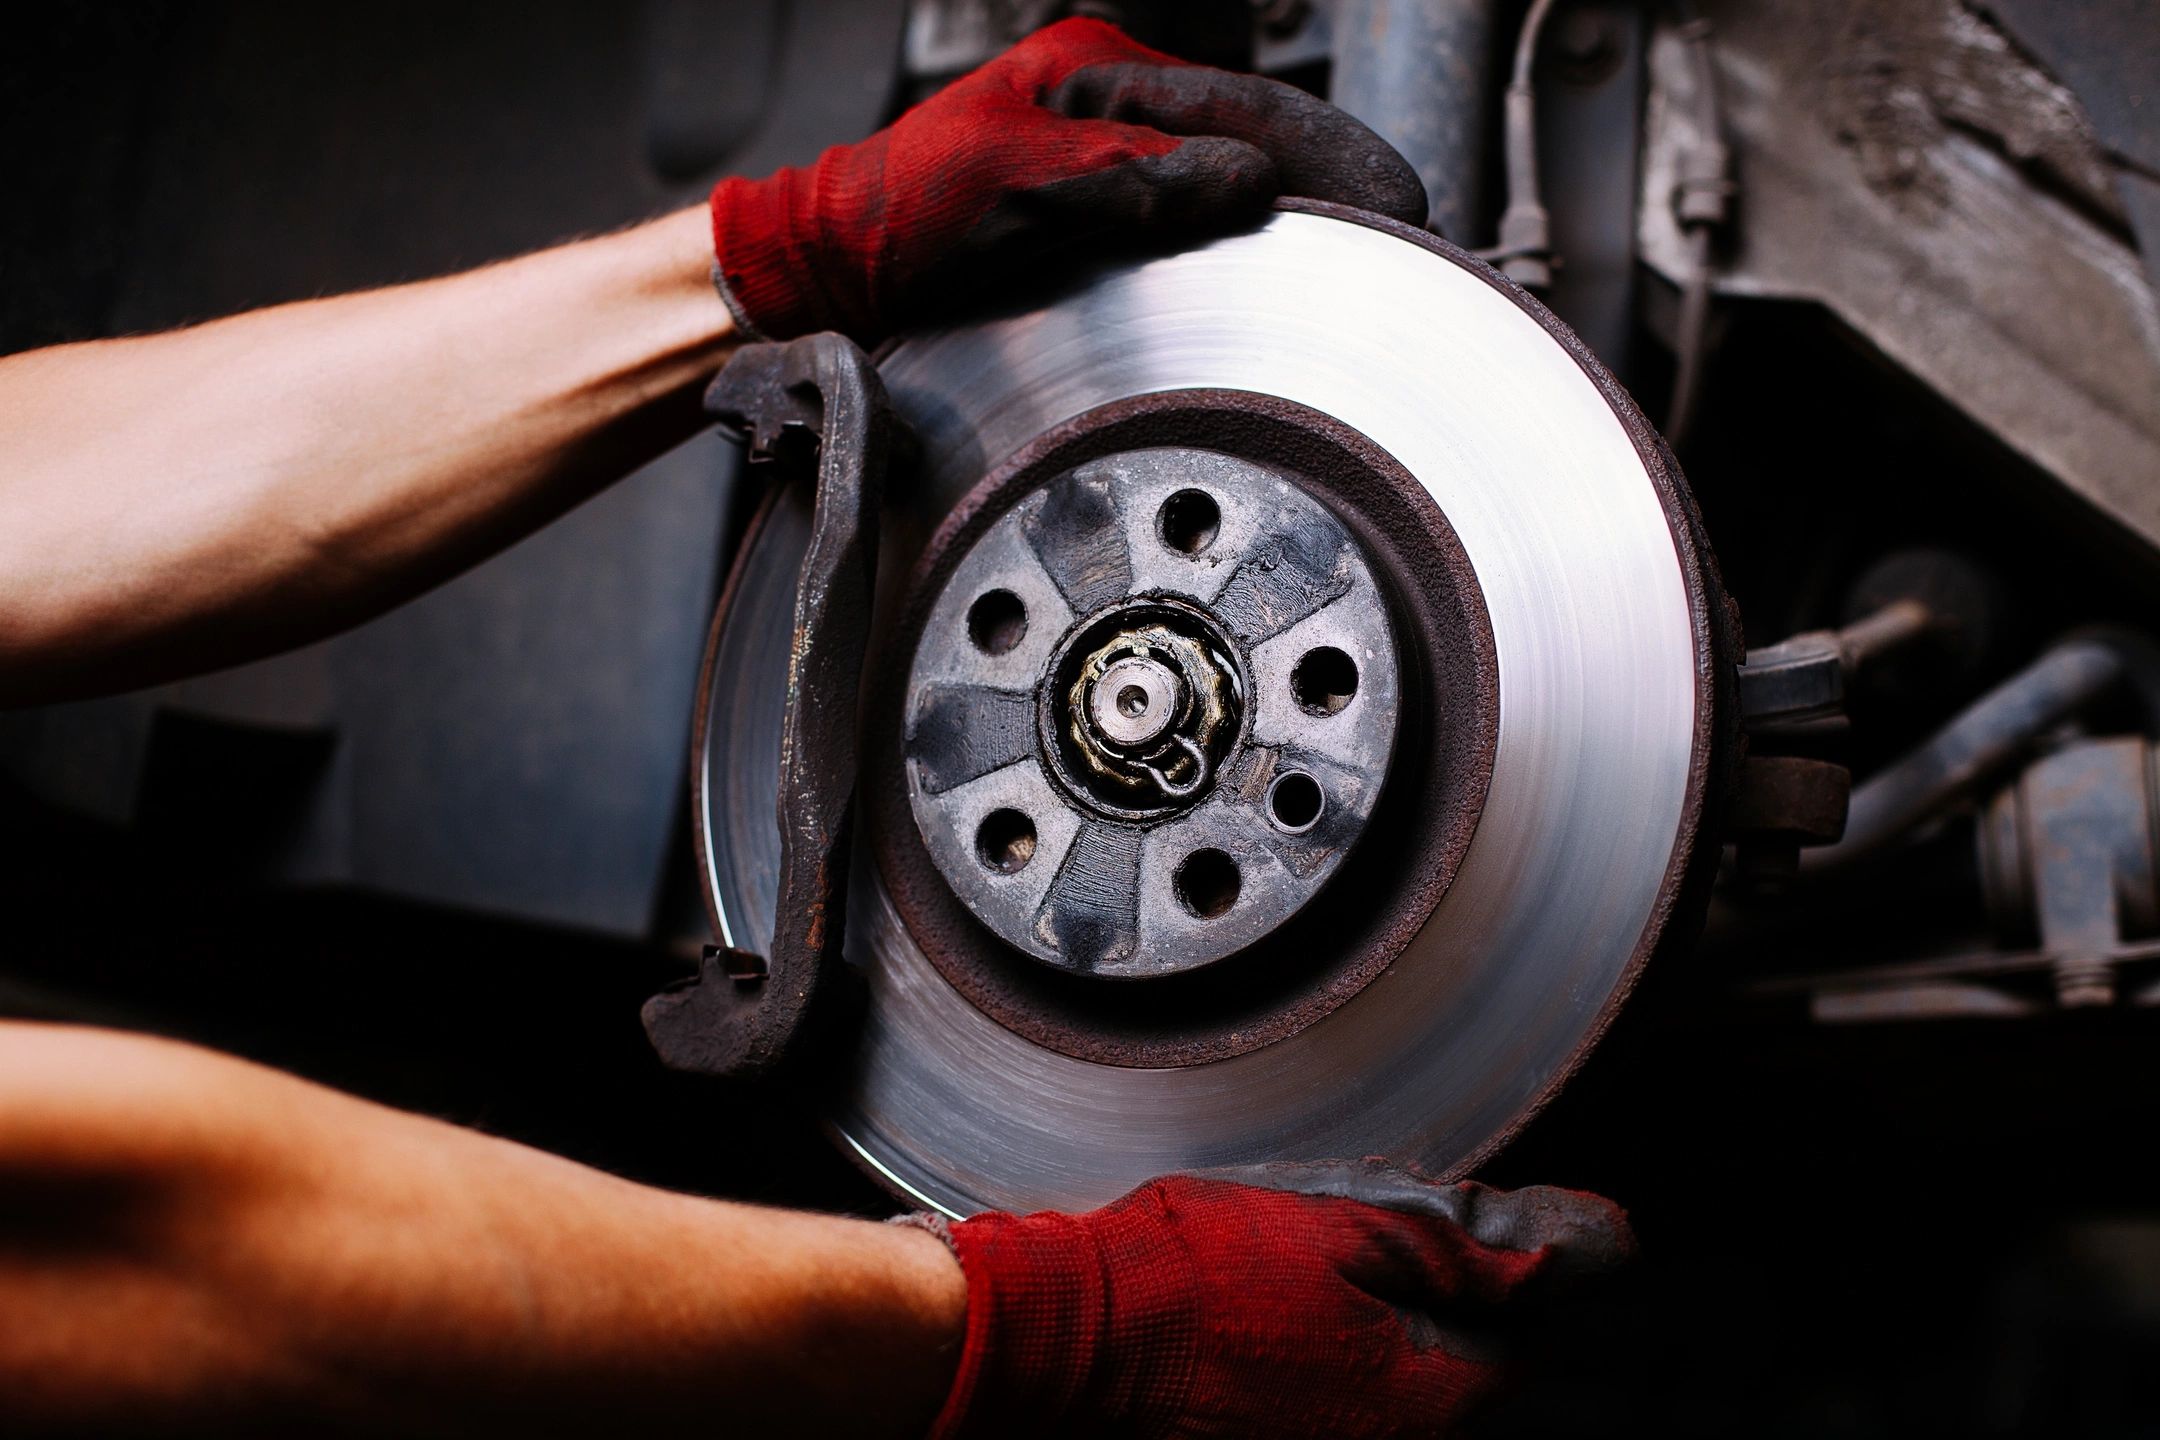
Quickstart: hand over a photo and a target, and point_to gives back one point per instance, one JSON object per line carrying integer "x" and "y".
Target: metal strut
{"x": 815, "y": 410}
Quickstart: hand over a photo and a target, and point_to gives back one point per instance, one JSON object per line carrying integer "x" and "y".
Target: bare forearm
{"x": 200, "y": 1243}
{"x": 201, "y": 497}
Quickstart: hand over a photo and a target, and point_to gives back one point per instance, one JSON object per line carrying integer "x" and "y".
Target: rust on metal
{"x": 815, "y": 405}
{"x": 1796, "y": 796}
{"x": 1414, "y": 843}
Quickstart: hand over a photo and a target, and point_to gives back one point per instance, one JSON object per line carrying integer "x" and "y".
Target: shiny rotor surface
{"x": 1598, "y": 653}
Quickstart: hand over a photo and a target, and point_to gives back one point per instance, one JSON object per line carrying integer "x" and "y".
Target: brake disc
{"x": 1298, "y": 699}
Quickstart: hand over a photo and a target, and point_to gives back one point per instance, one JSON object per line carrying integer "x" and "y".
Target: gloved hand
{"x": 1346, "y": 1300}
{"x": 1074, "y": 139}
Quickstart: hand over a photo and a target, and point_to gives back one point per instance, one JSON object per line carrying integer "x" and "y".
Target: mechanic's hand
{"x": 1074, "y": 139}
{"x": 1322, "y": 1300}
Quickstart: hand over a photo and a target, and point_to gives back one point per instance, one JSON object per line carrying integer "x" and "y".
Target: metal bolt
{"x": 2084, "y": 982}
{"x": 1135, "y": 701}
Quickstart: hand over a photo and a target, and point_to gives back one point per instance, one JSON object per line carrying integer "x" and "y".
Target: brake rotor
{"x": 1413, "y": 468}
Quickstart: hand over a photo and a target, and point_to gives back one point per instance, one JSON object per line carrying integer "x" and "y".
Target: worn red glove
{"x": 1074, "y": 140}
{"x": 1327, "y": 1300}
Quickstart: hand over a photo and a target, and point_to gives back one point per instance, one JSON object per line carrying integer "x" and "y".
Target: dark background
{"x": 1865, "y": 1231}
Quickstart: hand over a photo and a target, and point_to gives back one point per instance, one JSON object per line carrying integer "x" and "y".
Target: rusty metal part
{"x": 1196, "y": 776}
{"x": 1790, "y": 794}
{"x": 2068, "y": 857}
{"x": 1783, "y": 803}
{"x": 1159, "y": 757}
{"x": 1988, "y": 984}
{"x": 1606, "y": 756}
{"x": 1804, "y": 678}
{"x": 1992, "y": 734}
{"x": 1922, "y": 615}
{"x": 2069, "y": 862}
{"x": 1963, "y": 642}
{"x": 1417, "y": 836}
{"x": 1910, "y": 169}
{"x": 1796, "y": 797}
{"x": 816, "y": 408}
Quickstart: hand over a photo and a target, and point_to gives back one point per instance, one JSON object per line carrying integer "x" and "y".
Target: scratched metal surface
{"x": 1598, "y": 662}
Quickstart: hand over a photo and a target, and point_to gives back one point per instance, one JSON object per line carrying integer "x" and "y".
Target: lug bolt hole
{"x": 1295, "y": 801}
{"x": 1189, "y": 521}
{"x": 996, "y": 622}
{"x": 1005, "y": 841}
{"x": 1207, "y": 883}
{"x": 1324, "y": 680}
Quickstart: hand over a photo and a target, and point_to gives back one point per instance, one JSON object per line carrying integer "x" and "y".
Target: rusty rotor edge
{"x": 1715, "y": 627}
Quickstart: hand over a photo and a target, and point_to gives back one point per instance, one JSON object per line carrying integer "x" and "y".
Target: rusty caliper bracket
{"x": 815, "y": 411}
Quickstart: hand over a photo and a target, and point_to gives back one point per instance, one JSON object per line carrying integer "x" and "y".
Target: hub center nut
{"x": 1139, "y": 706}
{"x": 1134, "y": 701}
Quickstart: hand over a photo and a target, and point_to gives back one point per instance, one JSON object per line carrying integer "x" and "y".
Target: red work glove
{"x": 1327, "y": 1300}
{"x": 1075, "y": 140}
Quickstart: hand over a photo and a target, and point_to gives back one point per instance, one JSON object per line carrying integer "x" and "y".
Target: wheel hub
{"x": 1183, "y": 726}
